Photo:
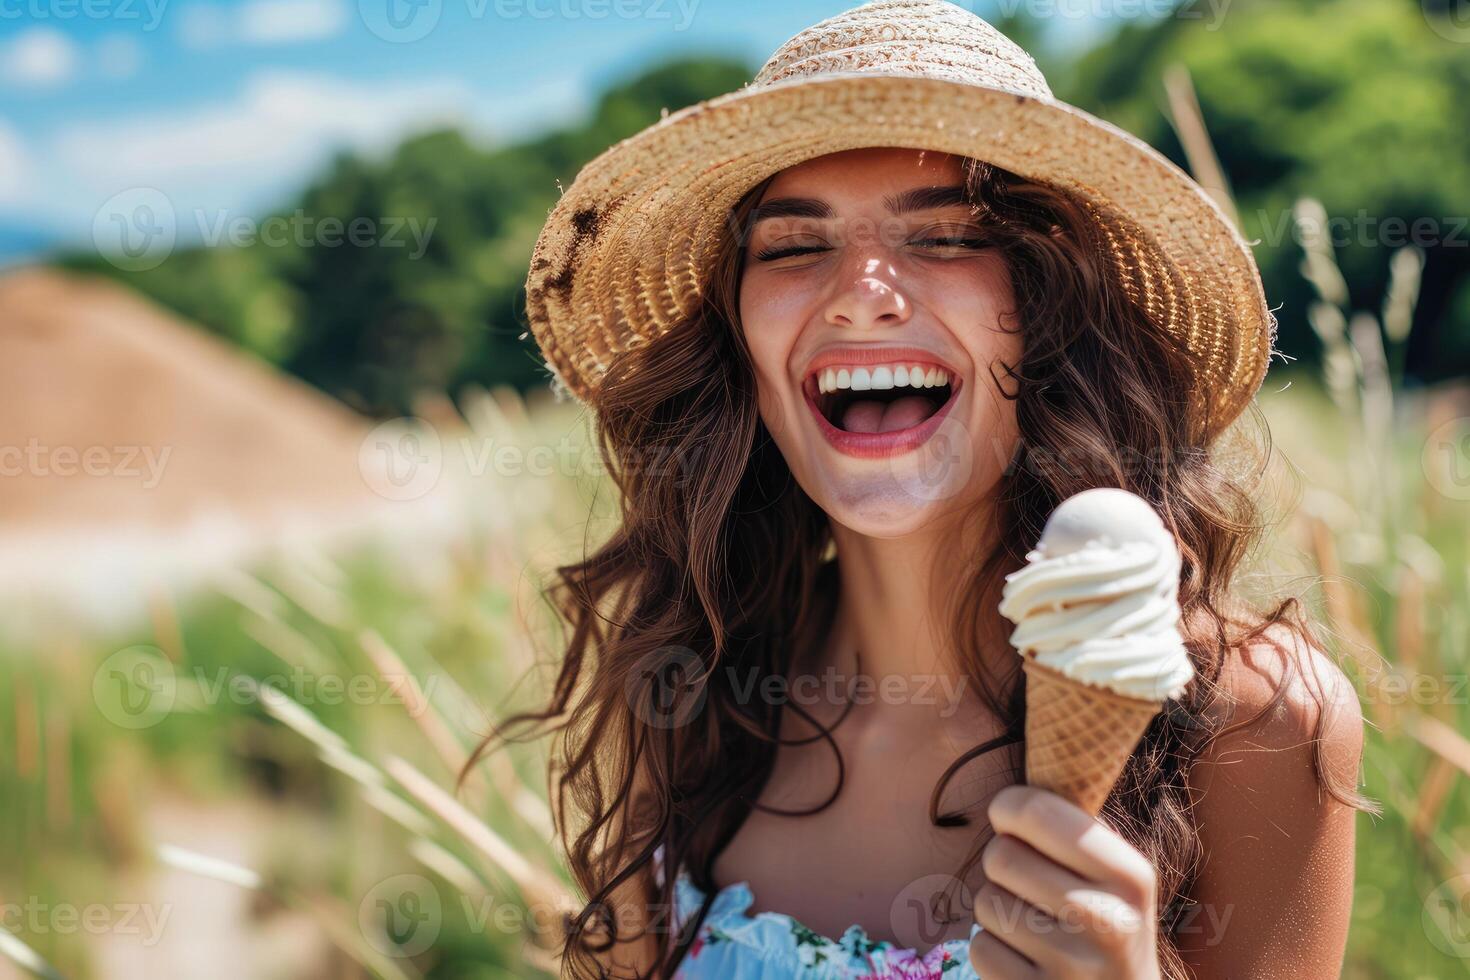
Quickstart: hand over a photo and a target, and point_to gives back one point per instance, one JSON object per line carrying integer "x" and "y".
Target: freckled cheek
{"x": 772, "y": 318}
{"x": 983, "y": 316}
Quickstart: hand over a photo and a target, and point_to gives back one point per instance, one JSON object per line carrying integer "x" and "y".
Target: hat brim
{"x": 624, "y": 253}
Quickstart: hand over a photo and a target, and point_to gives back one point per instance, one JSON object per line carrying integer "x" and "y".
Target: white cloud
{"x": 268, "y": 140}
{"x": 203, "y": 26}
{"x": 277, "y": 21}
{"x": 119, "y": 56}
{"x": 14, "y": 166}
{"x": 40, "y": 57}
{"x": 261, "y": 22}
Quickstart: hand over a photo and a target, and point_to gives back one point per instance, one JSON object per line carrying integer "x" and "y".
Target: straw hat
{"x": 625, "y": 253}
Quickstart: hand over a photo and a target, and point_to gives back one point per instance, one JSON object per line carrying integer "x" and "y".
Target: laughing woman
{"x": 849, "y": 335}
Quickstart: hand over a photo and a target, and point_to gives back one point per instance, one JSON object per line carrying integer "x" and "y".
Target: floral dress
{"x": 734, "y": 945}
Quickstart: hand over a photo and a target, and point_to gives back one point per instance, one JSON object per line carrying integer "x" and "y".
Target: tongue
{"x": 875, "y": 416}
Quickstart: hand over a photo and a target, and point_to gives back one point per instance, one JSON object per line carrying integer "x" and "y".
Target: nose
{"x": 871, "y": 298}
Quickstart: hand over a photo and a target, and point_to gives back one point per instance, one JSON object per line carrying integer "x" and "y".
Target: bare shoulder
{"x": 1283, "y": 694}
{"x": 1272, "y": 893}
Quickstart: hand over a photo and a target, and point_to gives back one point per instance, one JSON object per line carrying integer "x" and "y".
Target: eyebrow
{"x": 917, "y": 199}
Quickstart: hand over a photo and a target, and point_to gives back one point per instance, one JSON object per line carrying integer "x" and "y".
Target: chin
{"x": 903, "y": 496}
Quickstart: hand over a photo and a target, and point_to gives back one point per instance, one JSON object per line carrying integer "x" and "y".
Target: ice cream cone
{"x": 1078, "y": 737}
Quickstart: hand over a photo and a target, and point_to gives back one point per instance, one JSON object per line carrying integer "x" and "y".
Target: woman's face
{"x": 867, "y": 283}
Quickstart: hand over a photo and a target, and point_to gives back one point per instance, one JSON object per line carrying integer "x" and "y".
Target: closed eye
{"x": 956, "y": 241}
{"x": 768, "y": 254}
{"x": 952, "y": 242}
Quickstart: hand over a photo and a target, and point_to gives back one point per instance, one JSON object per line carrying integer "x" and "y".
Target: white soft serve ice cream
{"x": 1098, "y": 598}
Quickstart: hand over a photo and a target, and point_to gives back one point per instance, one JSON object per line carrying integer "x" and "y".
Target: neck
{"x": 895, "y": 606}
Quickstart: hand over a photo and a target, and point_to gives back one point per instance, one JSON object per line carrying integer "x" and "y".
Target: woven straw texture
{"x": 1078, "y": 738}
{"x": 625, "y": 253}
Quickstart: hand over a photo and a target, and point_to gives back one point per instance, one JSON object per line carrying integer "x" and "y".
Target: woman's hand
{"x": 1065, "y": 897}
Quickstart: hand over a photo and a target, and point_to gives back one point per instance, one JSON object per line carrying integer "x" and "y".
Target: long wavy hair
{"x": 722, "y": 561}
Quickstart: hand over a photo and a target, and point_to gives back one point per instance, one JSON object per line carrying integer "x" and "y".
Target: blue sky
{"x": 230, "y": 105}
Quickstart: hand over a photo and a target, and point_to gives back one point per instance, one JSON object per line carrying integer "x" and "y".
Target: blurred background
{"x": 280, "y": 474}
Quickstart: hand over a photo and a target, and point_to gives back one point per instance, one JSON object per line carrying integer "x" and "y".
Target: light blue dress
{"x": 732, "y": 944}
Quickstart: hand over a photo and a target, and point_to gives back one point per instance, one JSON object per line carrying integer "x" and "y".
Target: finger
{"x": 1026, "y": 873}
{"x": 1021, "y": 926}
{"x": 992, "y": 959}
{"x": 1072, "y": 838}
{"x": 1076, "y": 903}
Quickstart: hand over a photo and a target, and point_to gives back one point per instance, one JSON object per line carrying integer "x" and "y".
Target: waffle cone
{"x": 1079, "y": 737}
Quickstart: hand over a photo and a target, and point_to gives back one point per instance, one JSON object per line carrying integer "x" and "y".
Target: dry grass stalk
{"x": 1441, "y": 739}
{"x": 538, "y": 886}
{"x": 1409, "y": 620}
{"x": 1434, "y": 791}
{"x": 405, "y": 686}
{"x": 58, "y": 766}
{"x": 163, "y": 613}
{"x": 1194, "y": 137}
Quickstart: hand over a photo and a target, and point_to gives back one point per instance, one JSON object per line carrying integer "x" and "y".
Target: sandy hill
{"x": 139, "y": 451}
{"x": 117, "y": 412}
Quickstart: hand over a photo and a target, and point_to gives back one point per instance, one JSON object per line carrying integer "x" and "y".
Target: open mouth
{"x": 880, "y": 409}
{"x": 870, "y": 405}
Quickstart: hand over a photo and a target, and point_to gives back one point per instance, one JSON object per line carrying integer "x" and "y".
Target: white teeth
{"x": 880, "y": 377}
